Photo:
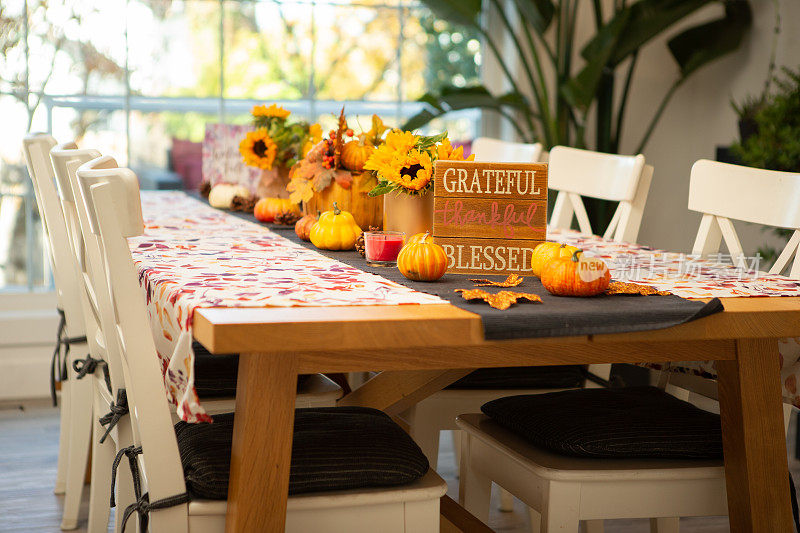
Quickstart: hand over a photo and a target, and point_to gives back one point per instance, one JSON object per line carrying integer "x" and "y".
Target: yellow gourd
{"x": 546, "y": 251}
{"x": 422, "y": 260}
{"x": 335, "y": 230}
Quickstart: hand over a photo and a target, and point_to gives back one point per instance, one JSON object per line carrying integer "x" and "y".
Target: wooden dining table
{"x": 421, "y": 349}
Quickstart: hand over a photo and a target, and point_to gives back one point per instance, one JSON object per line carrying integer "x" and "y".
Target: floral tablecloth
{"x": 194, "y": 256}
{"x": 690, "y": 276}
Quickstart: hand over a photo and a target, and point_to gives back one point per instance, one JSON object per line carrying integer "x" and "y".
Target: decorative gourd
{"x": 335, "y": 230}
{"x": 546, "y": 251}
{"x": 418, "y": 237}
{"x": 303, "y": 226}
{"x": 355, "y": 154}
{"x": 422, "y": 260}
{"x": 268, "y": 208}
{"x": 576, "y": 276}
{"x": 221, "y": 195}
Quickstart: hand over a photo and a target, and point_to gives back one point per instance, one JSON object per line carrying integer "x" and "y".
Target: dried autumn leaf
{"x": 322, "y": 179}
{"x": 344, "y": 178}
{"x": 621, "y": 287}
{"x": 511, "y": 281}
{"x": 300, "y": 190}
{"x": 502, "y": 300}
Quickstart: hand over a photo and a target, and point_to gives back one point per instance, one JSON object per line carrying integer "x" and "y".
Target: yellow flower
{"x": 258, "y": 149}
{"x": 271, "y": 111}
{"x": 416, "y": 171}
{"x": 314, "y": 137}
{"x": 446, "y": 152}
{"x": 400, "y": 141}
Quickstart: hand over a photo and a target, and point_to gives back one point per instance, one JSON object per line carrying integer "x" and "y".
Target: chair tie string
{"x": 142, "y": 506}
{"x": 58, "y": 363}
{"x": 116, "y": 411}
{"x": 88, "y": 365}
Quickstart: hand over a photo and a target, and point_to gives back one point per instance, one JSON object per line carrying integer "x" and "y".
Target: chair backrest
{"x": 488, "y": 149}
{"x": 620, "y": 178}
{"x": 723, "y": 192}
{"x": 87, "y": 258}
{"x": 111, "y": 197}
{"x": 36, "y": 148}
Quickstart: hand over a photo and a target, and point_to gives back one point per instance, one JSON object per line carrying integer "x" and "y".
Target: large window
{"x": 131, "y": 77}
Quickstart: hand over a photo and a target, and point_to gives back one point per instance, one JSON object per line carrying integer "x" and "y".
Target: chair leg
{"x": 535, "y": 519}
{"x": 425, "y": 434}
{"x": 506, "y": 501}
{"x": 63, "y": 439}
{"x": 474, "y": 489}
{"x": 80, "y": 435}
{"x": 560, "y": 508}
{"x": 665, "y": 525}
{"x": 456, "y": 434}
{"x": 100, "y": 488}
{"x": 593, "y": 526}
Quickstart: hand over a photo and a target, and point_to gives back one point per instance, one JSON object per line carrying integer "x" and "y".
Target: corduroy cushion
{"x": 214, "y": 375}
{"x": 625, "y": 422}
{"x": 536, "y": 377}
{"x": 334, "y": 448}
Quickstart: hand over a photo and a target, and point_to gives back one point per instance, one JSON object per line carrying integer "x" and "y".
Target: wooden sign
{"x": 489, "y": 217}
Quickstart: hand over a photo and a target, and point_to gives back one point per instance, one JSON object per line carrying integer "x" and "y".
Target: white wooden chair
{"x": 722, "y": 192}
{"x": 620, "y": 178}
{"x": 566, "y": 490}
{"x": 112, "y": 200}
{"x": 74, "y": 440}
{"x": 317, "y": 390}
{"x": 488, "y": 149}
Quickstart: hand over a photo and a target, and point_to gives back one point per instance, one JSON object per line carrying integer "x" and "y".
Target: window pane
{"x": 355, "y": 54}
{"x": 173, "y": 48}
{"x": 103, "y": 130}
{"x": 267, "y": 50}
{"x": 437, "y": 53}
{"x": 23, "y": 260}
{"x": 67, "y": 53}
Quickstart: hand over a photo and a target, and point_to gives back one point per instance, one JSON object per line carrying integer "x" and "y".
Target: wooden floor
{"x": 29, "y": 445}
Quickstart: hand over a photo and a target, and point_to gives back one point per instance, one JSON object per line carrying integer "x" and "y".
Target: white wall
{"x": 699, "y": 118}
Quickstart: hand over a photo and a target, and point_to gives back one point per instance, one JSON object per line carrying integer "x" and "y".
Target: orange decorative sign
{"x": 489, "y": 217}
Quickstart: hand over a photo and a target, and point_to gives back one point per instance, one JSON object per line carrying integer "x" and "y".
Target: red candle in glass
{"x": 383, "y": 247}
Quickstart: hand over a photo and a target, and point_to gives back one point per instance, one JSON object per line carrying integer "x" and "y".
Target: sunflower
{"x": 258, "y": 149}
{"x": 416, "y": 172}
{"x": 271, "y": 111}
{"x": 446, "y": 152}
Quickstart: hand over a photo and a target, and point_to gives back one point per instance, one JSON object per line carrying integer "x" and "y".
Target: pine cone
{"x": 205, "y": 188}
{"x": 240, "y": 203}
{"x": 287, "y": 218}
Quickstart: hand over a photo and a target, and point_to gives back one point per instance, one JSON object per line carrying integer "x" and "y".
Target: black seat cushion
{"x": 334, "y": 448}
{"x": 214, "y": 375}
{"x": 624, "y": 422}
{"x": 535, "y": 377}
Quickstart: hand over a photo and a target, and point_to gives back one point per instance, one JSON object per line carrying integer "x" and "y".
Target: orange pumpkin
{"x": 355, "y": 154}
{"x": 576, "y": 276}
{"x": 418, "y": 237}
{"x": 422, "y": 260}
{"x": 546, "y": 251}
{"x": 303, "y": 226}
{"x": 268, "y": 208}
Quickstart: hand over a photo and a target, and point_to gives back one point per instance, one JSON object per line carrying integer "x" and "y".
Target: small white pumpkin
{"x": 221, "y": 195}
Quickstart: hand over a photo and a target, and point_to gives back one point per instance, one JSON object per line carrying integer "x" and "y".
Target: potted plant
{"x": 403, "y": 166}
{"x": 274, "y": 146}
{"x": 333, "y": 172}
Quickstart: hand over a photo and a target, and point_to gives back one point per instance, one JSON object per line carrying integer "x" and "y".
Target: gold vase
{"x": 411, "y": 214}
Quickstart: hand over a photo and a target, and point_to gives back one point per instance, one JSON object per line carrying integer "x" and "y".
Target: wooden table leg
{"x": 262, "y": 443}
{"x": 753, "y": 436}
